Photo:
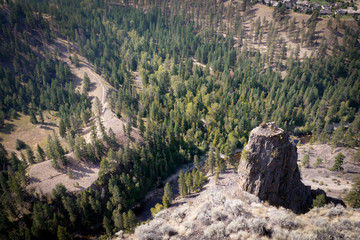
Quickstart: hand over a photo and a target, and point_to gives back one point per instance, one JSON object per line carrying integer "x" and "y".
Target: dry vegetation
{"x": 21, "y": 128}
{"x": 44, "y": 177}
{"x": 335, "y": 183}
{"x": 221, "y": 212}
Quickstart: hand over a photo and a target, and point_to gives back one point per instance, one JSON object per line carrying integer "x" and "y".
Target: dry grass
{"x": 21, "y": 128}
{"x": 43, "y": 177}
{"x": 334, "y": 183}
{"x": 218, "y": 213}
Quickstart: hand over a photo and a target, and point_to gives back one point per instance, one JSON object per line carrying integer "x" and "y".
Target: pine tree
{"x": 189, "y": 182}
{"x": 98, "y": 106}
{"x": 168, "y": 195}
{"x": 107, "y": 226}
{"x": 210, "y": 162}
{"x": 63, "y": 234}
{"x": 196, "y": 162}
{"x": 62, "y": 128}
{"x": 30, "y": 156}
{"x": 33, "y": 119}
{"x": 131, "y": 219}
{"x": 118, "y": 220}
{"x": 41, "y": 154}
{"x": 41, "y": 116}
{"x": 125, "y": 220}
{"x": 182, "y": 184}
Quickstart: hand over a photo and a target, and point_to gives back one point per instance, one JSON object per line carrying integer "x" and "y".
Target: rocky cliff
{"x": 268, "y": 168}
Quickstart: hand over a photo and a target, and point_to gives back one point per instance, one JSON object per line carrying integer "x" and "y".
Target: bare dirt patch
{"x": 44, "y": 177}
{"x": 335, "y": 183}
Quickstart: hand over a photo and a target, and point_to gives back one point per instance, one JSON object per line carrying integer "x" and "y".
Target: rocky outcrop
{"x": 268, "y": 168}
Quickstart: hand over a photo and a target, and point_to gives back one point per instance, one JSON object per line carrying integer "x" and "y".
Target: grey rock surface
{"x": 268, "y": 168}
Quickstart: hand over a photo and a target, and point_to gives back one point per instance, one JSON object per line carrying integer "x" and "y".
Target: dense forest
{"x": 183, "y": 110}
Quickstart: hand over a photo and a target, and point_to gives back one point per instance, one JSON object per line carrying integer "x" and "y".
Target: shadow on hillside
{"x": 8, "y": 128}
{"x": 79, "y": 171}
{"x": 46, "y": 128}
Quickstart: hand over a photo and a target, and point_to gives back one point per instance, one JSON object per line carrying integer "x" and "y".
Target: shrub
{"x": 321, "y": 222}
{"x": 250, "y": 198}
{"x": 328, "y": 233}
{"x": 284, "y": 219}
{"x": 179, "y": 213}
{"x": 158, "y": 207}
{"x": 218, "y": 214}
{"x": 257, "y": 226}
{"x": 215, "y": 231}
{"x": 235, "y": 207}
{"x": 239, "y": 224}
{"x": 335, "y": 211}
{"x": 318, "y": 162}
{"x": 319, "y": 201}
{"x": 217, "y": 199}
{"x": 305, "y": 162}
{"x": 154, "y": 230}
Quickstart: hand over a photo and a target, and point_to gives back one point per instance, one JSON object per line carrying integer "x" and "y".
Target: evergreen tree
{"x": 210, "y": 162}
{"x": 107, "y": 226}
{"x": 131, "y": 219}
{"x": 41, "y": 116}
{"x": 339, "y": 160}
{"x": 118, "y": 220}
{"x": 30, "y": 155}
{"x": 182, "y": 184}
{"x": 33, "y": 119}
{"x": 168, "y": 195}
{"x": 41, "y": 154}
{"x": 125, "y": 220}
{"x": 98, "y": 106}
{"x": 62, "y": 128}
{"x": 196, "y": 162}
{"x": 189, "y": 182}
{"x": 63, "y": 234}
{"x": 353, "y": 197}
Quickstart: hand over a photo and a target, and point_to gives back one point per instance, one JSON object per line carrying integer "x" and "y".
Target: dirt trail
{"x": 43, "y": 177}
{"x": 98, "y": 85}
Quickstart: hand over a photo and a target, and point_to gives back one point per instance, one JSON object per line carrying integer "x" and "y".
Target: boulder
{"x": 268, "y": 168}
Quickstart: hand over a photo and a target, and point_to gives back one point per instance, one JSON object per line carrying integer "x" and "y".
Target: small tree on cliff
{"x": 168, "y": 195}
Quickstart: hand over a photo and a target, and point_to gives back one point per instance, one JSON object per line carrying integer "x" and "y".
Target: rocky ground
{"x": 268, "y": 168}
{"x": 221, "y": 211}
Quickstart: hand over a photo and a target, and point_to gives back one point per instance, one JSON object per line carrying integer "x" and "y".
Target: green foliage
{"x": 107, "y": 226}
{"x": 339, "y": 160}
{"x": 318, "y": 162}
{"x": 33, "y": 119}
{"x": 353, "y": 197}
{"x": 168, "y": 195}
{"x": 319, "y": 201}
{"x": 40, "y": 154}
{"x": 63, "y": 234}
{"x": 181, "y": 109}
{"x": 158, "y": 207}
{"x": 356, "y": 156}
{"x": 30, "y": 156}
{"x": 305, "y": 161}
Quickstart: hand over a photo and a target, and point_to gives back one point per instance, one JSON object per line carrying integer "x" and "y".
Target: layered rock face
{"x": 268, "y": 168}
